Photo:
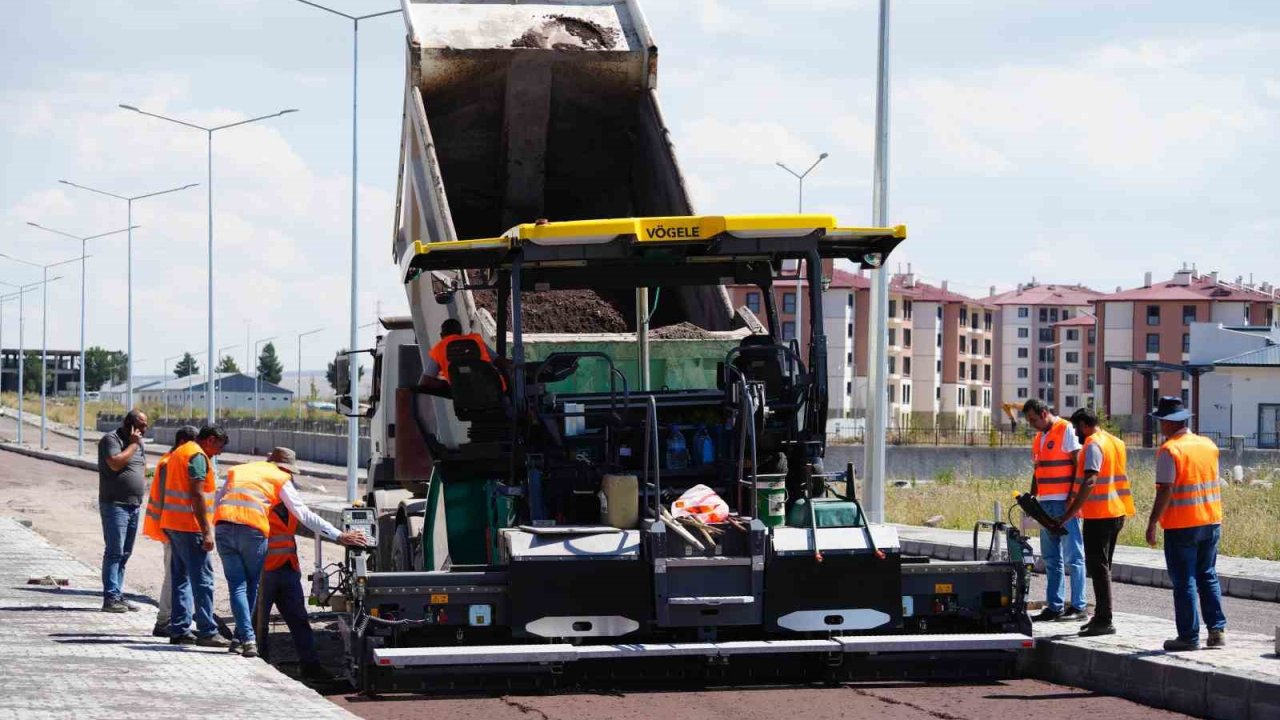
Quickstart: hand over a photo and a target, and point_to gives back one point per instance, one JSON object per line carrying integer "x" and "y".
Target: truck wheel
{"x": 402, "y": 550}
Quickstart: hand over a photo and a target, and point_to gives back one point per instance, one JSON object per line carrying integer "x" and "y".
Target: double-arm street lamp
{"x": 800, "y": 296}
{"x": 299, "y": 378}
{"x": 209, "y": 131}
{"x": 22, "y": 343}
{"x": 84, "y": 250}
{"x": 128, "y": 402}
{"x": 44, "y": 338}
{"x": 257, "y": 372}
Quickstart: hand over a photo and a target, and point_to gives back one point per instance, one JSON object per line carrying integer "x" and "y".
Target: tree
{"x": 227, "y": 365}
{"x": 31, "y": 372}
{"x": 104, "y": 367}
{"x": 186, "y": 366}
{"x": 331, "y": 374}
{"x": 269, "y": 367}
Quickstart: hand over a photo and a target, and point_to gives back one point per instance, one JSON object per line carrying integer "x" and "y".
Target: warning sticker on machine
{"x": 943, "y": 589}
{"x": 440, "y": 599}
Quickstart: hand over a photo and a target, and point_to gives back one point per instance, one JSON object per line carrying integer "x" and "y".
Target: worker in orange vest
{"x": 282, "y": 579}
{"x": 187, "y": 520}
{"x": 1103, "y": 499}
{"x": 1188, "y": 506}
{"x": 435, "y": 376}
{"x": 1054, "y": 451}
{"x": 240, "y": 519}
{"x": 151, "y": 526}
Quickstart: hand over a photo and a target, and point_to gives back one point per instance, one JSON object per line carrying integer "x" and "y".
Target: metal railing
{"x": 326, "y": 426}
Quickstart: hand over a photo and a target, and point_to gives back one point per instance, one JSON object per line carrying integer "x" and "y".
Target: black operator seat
{"x": 763, "y": 364}
{"x": 479, "y": 390}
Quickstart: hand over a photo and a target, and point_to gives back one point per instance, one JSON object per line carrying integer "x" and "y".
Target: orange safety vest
{"x": 1108, "y": 498}
{"x": 1054, "y": 470}
{"x": 282, "y": 543}
{"x": 178, "y": 512}
{"x": 1197, "y": 491}
{"x": 440, "y": 354}
{"x": 251, "y": 491}
{"x": 155, "y": 503}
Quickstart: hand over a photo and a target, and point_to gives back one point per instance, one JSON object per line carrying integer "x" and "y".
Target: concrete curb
{"x": 1187, "y": 683}
{"x": 87, "y": 464}
{"x": 1245, "y": 588}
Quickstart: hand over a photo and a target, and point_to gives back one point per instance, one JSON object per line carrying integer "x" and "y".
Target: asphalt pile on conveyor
{"x": 562, "y": 311}
{"x": 679, "y": 331}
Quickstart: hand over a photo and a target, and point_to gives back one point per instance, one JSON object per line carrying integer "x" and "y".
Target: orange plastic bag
{"x": 702, "y": 503}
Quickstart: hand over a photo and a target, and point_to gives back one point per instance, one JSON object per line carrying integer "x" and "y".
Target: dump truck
{"x": 538, "y": 518}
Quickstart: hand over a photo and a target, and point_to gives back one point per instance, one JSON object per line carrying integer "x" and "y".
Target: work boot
{"x": 1180, "y": 645}
{"x": 187, "y": 639}
{"x": 250, "y": 650}
{"x": 1096, "y": 629}
{"x": 1217, "y": 638}
{"x": 1073, "y": 614}
{"x": 317, "y": 673}
{"x": 115, "y": 606}
{"x": 1047, "y": 615}
{"x": 234, "y": 647}
{"x": 213, "y": 641}
{"x": 160, "y": 630}
{"x": 132, "y": 606}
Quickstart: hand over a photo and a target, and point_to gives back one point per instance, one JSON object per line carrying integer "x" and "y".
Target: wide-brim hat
{"x": 285, "y": 459}
{"x": 1171, "y": 409}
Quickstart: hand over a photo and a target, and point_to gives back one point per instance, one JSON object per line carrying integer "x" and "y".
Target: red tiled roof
{"x": 1081, "y": 320}
{"x": 845, "y": 279}
{"x": 924, "y": 292}
{"x": 1075, "y": 295}
{"x": 1202, "y": 288}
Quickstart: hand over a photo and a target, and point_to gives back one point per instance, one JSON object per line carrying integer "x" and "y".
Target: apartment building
{"x": 1153, "y": 322}
{"x": 1074, "y": 377}
{"x": 1026, "y": 339}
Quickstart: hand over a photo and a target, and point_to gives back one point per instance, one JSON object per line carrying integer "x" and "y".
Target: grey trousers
{"x": 166, "y": 604}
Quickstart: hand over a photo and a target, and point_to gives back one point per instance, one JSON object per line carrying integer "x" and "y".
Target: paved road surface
{"x": 61, "y": 503}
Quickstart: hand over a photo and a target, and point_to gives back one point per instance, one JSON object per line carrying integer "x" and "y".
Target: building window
{"x": 1046, "y": 334}
{"x": 893, "y": 337}
{"x": 986, "y": 348}
{"x": 1153, "y": 343}
{"x": 906, "y": 337}
{"x": 973, "y": 398}
{"x": 906, "y": 367}
{"x": 1066, "y": 314}
{"x": 961, "y": 371}
{"x": 986, "y": 373}
{"x": 1044, "y": 375}
{"x": 986, "y": 398}
{"x": 939, "y": 312}
{"x": 848, "y": 331}
{"x": 973, "y": 346}
{"x": 1024, "y": 373}
{"x": 893, "y": 365}
{"x": 907, "y": 310}
{"x": 788, "y": 331}
{"x": 1024, "y": 333}
{"x": 1023, "y": 393}
{"x": 893, "y": 308}
{"x": 1053, "y": 315}
{"x": 939, "y": 339}
{"x": 964, "y": 316}
{"x": 1186, "y": 397}
{"x": 893, "y": 394}
{"x": 937, "y": 393}
{"x": 848, "y": 388}
{"x": 1043, "y": 355}
{"x": 1188, "y": 314}
{"x": 906, "y": 393}
{"x": 848, "y": 359}
{"x": 1072, "y": 379}
{"x": 1070, "y": 401}
{"x": 986, "y": 321}
{"x": 1153, "y": 315}
{"x": 849, "y": 300}
{"x": 938, "y": 367}
{"x": 1073, "y": 357}
{"x": 1024, "y": 312}
{"x": 1073, "y": 335}
{"x": 1186, "y": 342}
{"x": 973, "y": 372}
{"x": 1052, "y": 355}
{"x": 789, "y": 303}
{"x": 1051, "y": 395}
{"x": 963, "y": 345}
{"x": 973, "y": 321}
{"x": 1093, "y": 336}
{"x": 960, "y": 397}
{"x": 753, "y": 302}
{"x": 1092, "y": 358}
{"x": 1044, "y": 315}
{"x": 1040, "y": 393}
{"x": 1023, "y": 353}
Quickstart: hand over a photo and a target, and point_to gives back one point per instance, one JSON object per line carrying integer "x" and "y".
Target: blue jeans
{"x": 1191, "y": 554}
{"x": 243, "y": 550}
{"x": 1063, "y": 550}
{"x": 191, "y": 591}
{"x": 119, "y": 528}
{"x": 283, "y": 588}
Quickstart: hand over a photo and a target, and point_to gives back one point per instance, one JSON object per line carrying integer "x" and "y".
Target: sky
{"x": 1087, "y": 141}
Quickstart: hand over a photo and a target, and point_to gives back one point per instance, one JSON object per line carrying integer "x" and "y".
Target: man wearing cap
{"x": 1188, "y": 506}
{"x": 282, "y": 581}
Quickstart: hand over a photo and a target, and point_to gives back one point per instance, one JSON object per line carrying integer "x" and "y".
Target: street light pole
{"x": 22, "y": 343}
{"x": 84, "y": 255}
{"x": 164, "y": 388}
{"x": 877, "y": 372}
{"x": 257, "y": 373}
{"x": 44, "y": 339}
{"x": 209, "y": 131}
{"x": 299, "y": 378}
{"x": 800, "y": 294}
{"x": 218, "y": 383}
{"x": 353, "y": 364}
{"x": 128, "y": 403}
